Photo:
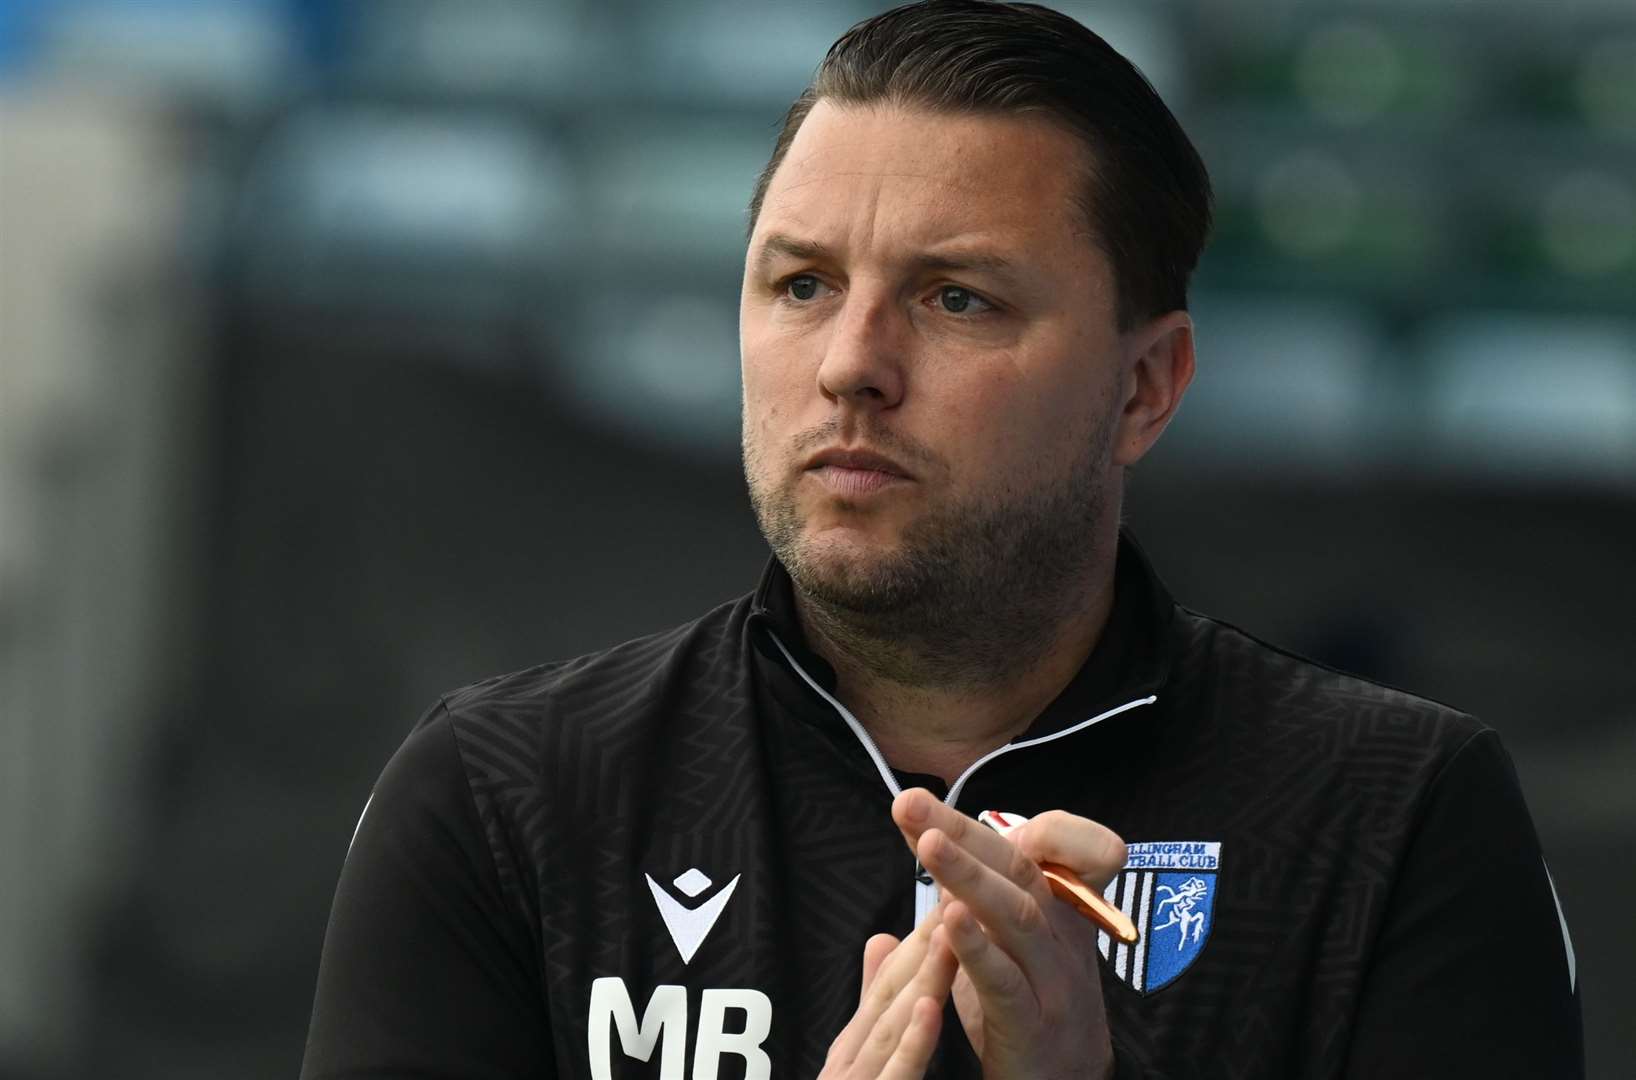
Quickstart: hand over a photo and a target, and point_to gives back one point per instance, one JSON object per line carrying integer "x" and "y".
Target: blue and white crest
{"x": 1168, "y": 889}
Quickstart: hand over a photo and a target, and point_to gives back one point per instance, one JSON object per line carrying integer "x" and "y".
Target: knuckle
{"x": 933, "y": 847}
{"x": 1010, "y": 982}
{"x": 952, "y": 857}
{"x": 1041, "y": 838}
{"x": 969, "y": 867}
{"x": 1054, "y": 819}
{"x": 880, "y": 993}
{"x": 1027, "y": 914}
{"x": 1021, "y": 869}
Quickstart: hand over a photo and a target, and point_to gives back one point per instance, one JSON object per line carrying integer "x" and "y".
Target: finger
{"x": 875, "y": 952}
{"x": 919, "y": 1041}
{"x": 890, "y": 963}
{"x": 932, "y": 979}
{"x": 1017, "y": 1019}
{"x": 1013, "y": 917}
{"x": 896, "y": 967}
{"x": 1088, "y": 848}
{"x": 917, "y": 811}
{"x": 1004, "y": 991}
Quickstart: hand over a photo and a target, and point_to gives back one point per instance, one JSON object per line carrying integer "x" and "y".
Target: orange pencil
{"x": 1066, "y": 885}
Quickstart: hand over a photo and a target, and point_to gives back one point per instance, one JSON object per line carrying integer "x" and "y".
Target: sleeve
{"x": 426, "y": 971}
{"x": 1473, "y": 974}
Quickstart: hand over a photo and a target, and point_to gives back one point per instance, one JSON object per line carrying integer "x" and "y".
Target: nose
{"x": 863, "y": 363}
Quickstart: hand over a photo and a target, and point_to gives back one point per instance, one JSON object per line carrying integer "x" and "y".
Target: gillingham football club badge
{"x": 1168, "y": 888}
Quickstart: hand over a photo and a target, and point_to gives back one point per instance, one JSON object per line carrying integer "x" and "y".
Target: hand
{"x": 900, "y": 1007}
{"x": 1029, "y": 993}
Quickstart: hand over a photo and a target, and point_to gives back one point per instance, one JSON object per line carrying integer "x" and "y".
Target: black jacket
{"x": 1332, "y": 878}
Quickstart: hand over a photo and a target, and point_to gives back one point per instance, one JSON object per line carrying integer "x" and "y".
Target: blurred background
{"x": 354, "y": 350}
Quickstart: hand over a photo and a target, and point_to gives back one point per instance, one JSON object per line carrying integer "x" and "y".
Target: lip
{"x": 857, "y": 460}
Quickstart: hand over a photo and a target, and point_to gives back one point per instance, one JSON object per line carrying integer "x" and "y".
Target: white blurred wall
{"x": 97, "y": 404}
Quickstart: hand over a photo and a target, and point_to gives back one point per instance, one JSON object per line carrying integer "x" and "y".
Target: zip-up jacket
{"x": 664, "y": 860}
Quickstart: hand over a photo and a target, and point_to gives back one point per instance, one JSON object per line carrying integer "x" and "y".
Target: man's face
{"x": 930, "y": 357}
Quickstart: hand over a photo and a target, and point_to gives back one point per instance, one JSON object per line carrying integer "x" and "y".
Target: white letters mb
{"x": 664, "y": 1025}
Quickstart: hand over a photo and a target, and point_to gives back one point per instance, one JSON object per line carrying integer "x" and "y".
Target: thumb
{"x": 1088, "y": 848}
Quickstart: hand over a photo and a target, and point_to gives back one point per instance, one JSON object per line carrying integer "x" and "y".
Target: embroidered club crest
{"x": 1168, "y": 889}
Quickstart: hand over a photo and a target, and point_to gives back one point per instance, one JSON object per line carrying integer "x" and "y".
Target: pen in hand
{"x": 1066, "y": 885}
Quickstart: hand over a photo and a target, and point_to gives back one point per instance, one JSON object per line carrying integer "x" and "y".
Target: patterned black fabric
{"x": 1381, "y": 906}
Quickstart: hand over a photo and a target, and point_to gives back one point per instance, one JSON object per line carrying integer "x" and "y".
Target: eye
{"x": 958, "y": 301}
{"x": 802, "y": 287}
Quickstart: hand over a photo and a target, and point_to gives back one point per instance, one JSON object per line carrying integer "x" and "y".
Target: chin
{"x": 848, "y": 570}
{"x": 844, "y": 549}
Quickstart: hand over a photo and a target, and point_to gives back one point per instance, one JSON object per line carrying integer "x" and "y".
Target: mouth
{"x": 858, "y": 461}
{"x": 856, "y": 472}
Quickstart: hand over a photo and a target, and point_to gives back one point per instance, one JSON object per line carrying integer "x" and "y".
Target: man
{"x": 963, "y": 316}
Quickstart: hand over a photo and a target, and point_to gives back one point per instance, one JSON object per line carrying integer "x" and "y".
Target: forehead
{"x": 885, "y": 176}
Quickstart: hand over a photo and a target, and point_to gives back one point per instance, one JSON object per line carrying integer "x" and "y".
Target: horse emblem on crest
{"x": 1168, "y": 888}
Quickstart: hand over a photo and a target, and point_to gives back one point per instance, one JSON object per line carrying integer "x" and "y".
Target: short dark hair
{"x": 1147, "y": 196}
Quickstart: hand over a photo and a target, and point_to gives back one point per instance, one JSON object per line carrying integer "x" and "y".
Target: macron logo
{"x": 689, "y": 926}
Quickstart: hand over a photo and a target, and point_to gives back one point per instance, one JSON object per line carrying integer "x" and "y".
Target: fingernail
{"x": 915, "y": 810}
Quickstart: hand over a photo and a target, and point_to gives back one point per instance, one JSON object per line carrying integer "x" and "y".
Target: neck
{"x": 938, "y": 690}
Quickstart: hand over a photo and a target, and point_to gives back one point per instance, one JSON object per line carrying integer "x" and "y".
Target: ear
{"x": 1158, "y": 366}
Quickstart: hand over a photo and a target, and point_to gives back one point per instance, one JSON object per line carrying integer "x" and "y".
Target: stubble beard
{"x": 974, "y": 589}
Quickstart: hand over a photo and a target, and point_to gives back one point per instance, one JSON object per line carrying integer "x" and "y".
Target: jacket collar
{"x": 1131, "y": 659}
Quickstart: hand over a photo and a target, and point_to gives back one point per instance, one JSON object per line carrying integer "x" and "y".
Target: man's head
{"x": 968, "y": 257}
{"x": 1141, "y": 186}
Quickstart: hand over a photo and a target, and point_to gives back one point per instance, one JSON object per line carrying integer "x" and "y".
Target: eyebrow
{"x": 791, "y": 247}
{"x": 980, "y": 261}
{"x": 810, "y": 250}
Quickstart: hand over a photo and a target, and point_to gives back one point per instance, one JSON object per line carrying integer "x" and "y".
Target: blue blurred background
{"x": 353, "y": 350}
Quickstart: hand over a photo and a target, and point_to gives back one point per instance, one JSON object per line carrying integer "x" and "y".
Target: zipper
{"x": 926, "y": 892}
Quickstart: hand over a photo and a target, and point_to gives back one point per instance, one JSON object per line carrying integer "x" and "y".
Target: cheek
{"x": 774, "y": 376}
{"x": 1016, "y": 423}
{"x": 988, "y": 419}
{"x": 763, "y": 399}
{"x": 766, "y": 406}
